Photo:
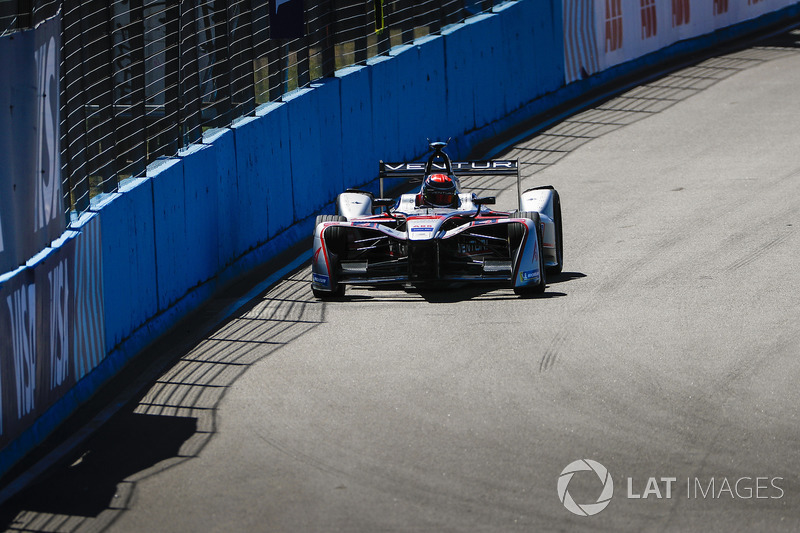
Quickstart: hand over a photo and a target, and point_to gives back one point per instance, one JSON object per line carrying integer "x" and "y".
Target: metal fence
{"x": 142, "y": 78}
{"x": 22, "y": 14}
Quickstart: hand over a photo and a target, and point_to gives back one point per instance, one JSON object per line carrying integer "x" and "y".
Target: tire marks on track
{"x": 758, "y": 253}
{"x": 552, "y": 351}
{"x": 639, "y": 103}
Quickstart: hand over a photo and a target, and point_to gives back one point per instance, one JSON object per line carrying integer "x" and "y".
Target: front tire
{"x": 325, "y": 295}
{"x": 333, "y": 234}
{"x": 537, "y": 224}
{"x": 559, "y": 236}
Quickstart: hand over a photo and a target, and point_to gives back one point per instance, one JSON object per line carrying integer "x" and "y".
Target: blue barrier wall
{"x": 146, "y": 256}
{"x": 129, "y": 259}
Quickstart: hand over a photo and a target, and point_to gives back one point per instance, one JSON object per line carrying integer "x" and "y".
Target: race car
{"x": 439, "y": 236}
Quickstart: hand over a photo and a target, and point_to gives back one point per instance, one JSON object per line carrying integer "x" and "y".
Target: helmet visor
{"x": 439, "y": 198}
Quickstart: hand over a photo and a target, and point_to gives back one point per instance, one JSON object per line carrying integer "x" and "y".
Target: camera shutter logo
{"x": 585, "y": 509}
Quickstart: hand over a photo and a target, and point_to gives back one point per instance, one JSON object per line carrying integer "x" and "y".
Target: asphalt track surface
{"x": 668, "y": 348}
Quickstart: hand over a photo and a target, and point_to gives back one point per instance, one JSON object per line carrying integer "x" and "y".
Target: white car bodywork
{"x": 413, "y": 244}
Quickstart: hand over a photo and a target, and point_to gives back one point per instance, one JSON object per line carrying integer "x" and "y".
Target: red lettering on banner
{"x": 720, "y": 7}
{"x": 613, "y": 25}
{"x": 649, "y": 25}
{"x": 680, "y": 12}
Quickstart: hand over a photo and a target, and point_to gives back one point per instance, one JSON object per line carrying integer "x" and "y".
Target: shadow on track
{"x": 444, "y": 295}
{"x": 564, "y": 276}
{"x": 171, "y": 416}
{"x": 127, "y": 444}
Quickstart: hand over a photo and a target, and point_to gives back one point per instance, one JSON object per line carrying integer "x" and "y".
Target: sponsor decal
{"x": 319, "y": 278}
{"x": 528, "y": 275}
{"x": 484, "y": 222}
{"x": 464, "y": 166}
{"x": 484, "y": 165}
{"x": 422, "y": 228}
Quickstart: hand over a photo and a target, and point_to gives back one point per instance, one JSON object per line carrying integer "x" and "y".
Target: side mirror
{"x": 488, "y": 200}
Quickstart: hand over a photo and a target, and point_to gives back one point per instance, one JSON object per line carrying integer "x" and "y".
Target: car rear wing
{"x": 416, "y": 171}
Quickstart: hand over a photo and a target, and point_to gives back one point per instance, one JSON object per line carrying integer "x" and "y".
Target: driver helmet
{"x": 439, "y": 190}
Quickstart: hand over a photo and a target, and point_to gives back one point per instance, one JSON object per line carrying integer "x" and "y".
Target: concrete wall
{"x": 146, "y": 256}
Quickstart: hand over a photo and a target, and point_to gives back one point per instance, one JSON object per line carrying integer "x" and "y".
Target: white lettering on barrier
{"x": 22, "y": 306}
{"x": 59, "y": 325}
{"x": 47, "y": 164}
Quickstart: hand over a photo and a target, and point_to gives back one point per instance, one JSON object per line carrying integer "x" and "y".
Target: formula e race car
{"x": 439, "y": 236}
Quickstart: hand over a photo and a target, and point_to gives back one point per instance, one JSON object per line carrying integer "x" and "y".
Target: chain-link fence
{"x": 142, "y": 78}
{"x": 21, "y": 14}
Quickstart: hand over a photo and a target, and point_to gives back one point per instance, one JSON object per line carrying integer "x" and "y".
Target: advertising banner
{"x": 31, "y": 199}
{"x": 18, "y": 337}
{"x": 600, "y": 35}
{"x": 54, "y": 328}
{"x": 51, "y": 326}
{"x": 88, "y": 337}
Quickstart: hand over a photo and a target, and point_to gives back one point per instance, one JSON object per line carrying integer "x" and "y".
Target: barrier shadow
{"x": 172, "y": 414}
{"x": 87, "y": 485}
